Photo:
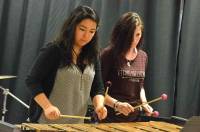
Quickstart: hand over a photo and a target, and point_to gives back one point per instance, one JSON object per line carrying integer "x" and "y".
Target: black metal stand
{"x": 6, "y": 93}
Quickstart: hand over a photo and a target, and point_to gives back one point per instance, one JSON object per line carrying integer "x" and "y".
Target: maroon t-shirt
{"x": 126, "y": 77}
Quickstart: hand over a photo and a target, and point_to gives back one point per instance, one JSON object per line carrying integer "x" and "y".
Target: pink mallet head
{"x": 155, "y": 114}
{"x": 164, "y": 96}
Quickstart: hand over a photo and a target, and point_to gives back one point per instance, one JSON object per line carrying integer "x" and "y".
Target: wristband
{"x": 115, "y": 105}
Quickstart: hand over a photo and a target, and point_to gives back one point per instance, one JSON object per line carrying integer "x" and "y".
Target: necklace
{"x": 129, "y": 62}
{"x": 75, "y": 57}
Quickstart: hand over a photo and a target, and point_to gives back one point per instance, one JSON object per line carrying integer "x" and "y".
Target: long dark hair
{"x": 67, "y": 35}
{"x": 123, "y": 31}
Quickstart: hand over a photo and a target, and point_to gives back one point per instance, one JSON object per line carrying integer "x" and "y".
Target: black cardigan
{"x": 42, "y": 76}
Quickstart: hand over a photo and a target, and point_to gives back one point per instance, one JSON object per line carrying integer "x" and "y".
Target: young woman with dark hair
{"x": 67, "y": 72}
{"x": 123, "y": 64}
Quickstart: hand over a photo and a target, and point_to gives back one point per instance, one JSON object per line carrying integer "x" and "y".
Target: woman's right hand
{"x": 52, "y": 112}
{"x": 124, "y": 108}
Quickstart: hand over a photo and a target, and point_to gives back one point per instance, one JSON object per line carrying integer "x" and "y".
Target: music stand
{"x": 192, "y": 125}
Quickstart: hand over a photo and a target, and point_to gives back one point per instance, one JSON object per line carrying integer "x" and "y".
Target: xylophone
{"x": 151, "y": 126}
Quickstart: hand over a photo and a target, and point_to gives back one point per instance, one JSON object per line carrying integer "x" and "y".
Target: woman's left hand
{"x": 148, "y": 109}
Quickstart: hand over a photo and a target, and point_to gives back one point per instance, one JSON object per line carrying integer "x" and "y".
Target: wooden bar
{"x": 151, "y": 126}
